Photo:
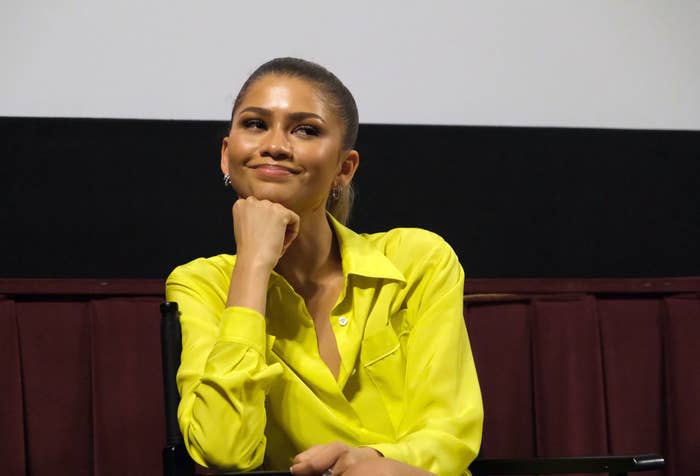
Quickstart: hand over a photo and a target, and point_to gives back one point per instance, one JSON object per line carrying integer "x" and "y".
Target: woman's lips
{"x": 273, "y": 170}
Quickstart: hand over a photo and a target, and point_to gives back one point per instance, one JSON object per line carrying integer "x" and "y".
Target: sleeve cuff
{"x": 245, "y": 326}
{"x": 390, "y": 450}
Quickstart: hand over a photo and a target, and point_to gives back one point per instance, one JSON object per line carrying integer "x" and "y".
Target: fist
{"x": 263, "y": 231}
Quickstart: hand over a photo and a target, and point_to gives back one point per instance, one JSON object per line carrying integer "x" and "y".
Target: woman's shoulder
{"x": 409, "y": 240}
{"x": 203, "y": 270}
{"x": 413, "y": 247}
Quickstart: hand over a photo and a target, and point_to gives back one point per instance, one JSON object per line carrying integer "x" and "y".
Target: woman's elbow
{"x": 225, "y": 450}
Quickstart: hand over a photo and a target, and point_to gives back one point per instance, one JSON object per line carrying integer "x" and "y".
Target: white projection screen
{"x": 598, "y": 63}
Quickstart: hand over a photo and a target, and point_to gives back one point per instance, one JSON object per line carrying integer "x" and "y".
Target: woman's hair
{"x": 339, "y": 97}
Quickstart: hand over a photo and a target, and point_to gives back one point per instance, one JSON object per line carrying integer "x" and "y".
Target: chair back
{"x": 176, "y": 460}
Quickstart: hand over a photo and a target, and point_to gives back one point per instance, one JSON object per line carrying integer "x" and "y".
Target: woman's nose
{"x": 276, "y": 145}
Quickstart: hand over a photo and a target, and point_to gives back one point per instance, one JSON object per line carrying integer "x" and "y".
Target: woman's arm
{"x": 223, "y": 376}
{"x": 442, "y": 424}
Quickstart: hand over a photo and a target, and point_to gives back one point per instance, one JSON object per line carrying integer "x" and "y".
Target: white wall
{"x": 590, "y": 63}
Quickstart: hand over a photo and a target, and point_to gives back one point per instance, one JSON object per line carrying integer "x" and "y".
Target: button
{"x": 343, "y": 321}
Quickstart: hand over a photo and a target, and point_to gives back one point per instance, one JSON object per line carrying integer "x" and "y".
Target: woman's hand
{"x": 334, "y": 458}
{"x": 384, "y": 467}
{"x": 263, "y": 231}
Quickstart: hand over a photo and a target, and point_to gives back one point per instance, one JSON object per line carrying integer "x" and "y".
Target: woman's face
{"x": 285, "y": 145}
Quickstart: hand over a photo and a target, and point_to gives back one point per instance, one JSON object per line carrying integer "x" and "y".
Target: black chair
{"x": 177, "y": 462}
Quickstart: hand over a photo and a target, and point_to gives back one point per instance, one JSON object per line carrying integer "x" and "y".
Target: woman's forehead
{"x": 286, "y": 93}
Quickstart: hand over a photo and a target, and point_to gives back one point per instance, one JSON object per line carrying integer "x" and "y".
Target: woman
{"x": 316, "y": 347}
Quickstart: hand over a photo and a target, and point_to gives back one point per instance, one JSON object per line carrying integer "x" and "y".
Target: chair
{"x": 177, "y": 462}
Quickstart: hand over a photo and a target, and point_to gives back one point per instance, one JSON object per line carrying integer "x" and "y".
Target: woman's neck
{"x": 313, "y": 255}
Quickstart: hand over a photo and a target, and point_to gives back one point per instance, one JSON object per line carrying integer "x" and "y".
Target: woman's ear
{"x": 347, "y": 168}
{"x": 224, "y": 156}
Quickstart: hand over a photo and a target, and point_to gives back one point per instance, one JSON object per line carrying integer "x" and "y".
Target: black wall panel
{"x": 130, "y": 198}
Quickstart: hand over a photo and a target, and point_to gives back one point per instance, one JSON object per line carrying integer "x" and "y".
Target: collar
{"x": 361, "y": 257}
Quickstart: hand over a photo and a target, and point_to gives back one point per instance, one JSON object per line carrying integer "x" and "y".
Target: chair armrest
{"x": 176, "y": 461}
{"x": 581, "y": 464}
{"x": 257, "y": 473}
{"x": 171, "y": 348}
{"x": 253, "y": 473}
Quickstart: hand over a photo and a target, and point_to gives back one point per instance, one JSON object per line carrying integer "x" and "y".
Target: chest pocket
{"x": 385, "y": 364}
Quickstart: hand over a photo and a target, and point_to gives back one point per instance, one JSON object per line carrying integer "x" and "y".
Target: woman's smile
{"x": 273, "y": 170}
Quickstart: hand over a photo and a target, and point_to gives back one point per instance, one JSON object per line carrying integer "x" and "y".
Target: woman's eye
{"x": 253, "y": 124}
{"x": 306, "y": 130}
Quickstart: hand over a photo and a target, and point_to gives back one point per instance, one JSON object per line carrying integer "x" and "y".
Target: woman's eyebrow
{"x": 298, "y": 116}
{"x": 295, "y": 116}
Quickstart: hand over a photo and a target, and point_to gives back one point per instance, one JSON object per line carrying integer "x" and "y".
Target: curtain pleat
{"x": 500, "y": 339}
{"x": 633, "y": 361}
{"x": 55, "y": 354}
{"x": 127, "y": 405}
{"x": 12, "y": 452}
{"x": 682, "y": 331}
{"x": 569, "y": 398}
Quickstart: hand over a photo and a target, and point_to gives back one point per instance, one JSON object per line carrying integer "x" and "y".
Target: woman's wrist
{"x": 248, "y": 286}
{"x": 253, "y": 267}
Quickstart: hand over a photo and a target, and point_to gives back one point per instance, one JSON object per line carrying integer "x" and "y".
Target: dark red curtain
{"x": 12, "y": 450}
{"x": 589, "y": 371}
{"x": 127, "y": 398}
{"x": 567, "y": 367}
{"x": 82, "y": 393}
{"x": 682, "y": 383}
{"x": 54, "y": 340}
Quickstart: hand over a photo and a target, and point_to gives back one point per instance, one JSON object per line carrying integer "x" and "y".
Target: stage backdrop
{"x": 133, "y": 198}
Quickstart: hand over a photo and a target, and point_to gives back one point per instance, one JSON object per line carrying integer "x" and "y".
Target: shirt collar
{"x": 361, "y": 257}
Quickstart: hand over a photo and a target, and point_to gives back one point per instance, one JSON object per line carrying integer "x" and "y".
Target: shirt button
{"x": 343, "y": 321}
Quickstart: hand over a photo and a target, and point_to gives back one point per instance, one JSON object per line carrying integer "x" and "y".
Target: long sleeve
{"x": 442, "y": 425}
{"x": 223, "y": 377}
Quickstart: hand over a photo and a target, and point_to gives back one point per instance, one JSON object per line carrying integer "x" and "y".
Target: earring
{"x": 227, "y": 180}
{"x": 335, "y": 192}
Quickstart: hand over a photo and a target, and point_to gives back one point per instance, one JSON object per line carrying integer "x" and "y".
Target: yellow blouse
{"x": 255, "y": 389}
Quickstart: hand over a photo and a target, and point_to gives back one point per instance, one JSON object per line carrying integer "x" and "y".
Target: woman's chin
{"x": 273, "y": 197}
{"x": 269, "y": 196}
{"x": 263, "y": 193}
{"x": 296, "y": 204}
